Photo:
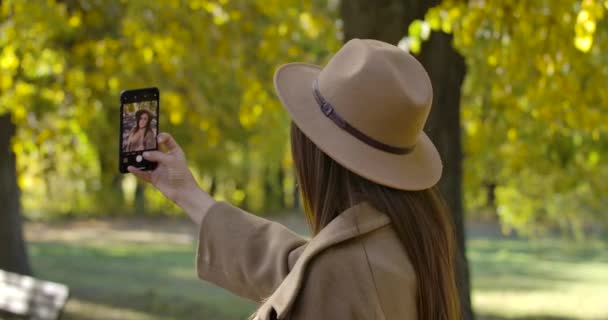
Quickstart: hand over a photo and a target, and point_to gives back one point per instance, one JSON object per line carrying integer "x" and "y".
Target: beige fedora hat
{"x": 366, "y": 109}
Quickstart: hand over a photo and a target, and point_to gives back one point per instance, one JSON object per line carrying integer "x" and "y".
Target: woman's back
{"x": 361, "y": 277}
{"x": 353, "y": 269}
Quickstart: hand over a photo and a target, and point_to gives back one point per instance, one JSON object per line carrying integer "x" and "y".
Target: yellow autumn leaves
{"x": 454, "y": 14}
{"x": 66, "y": 63}
{"x": 533, "y": 108}
{"x": 586, "y": 23}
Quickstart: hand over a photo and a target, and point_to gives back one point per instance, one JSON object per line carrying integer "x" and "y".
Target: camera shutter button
{"x": 138, "y": 158}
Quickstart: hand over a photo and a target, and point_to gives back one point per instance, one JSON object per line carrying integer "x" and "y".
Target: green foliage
{"x": 533, "y": 109}
{"x": 64, "y": 63}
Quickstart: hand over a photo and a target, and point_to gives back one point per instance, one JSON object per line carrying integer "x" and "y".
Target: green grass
{"x": 512, "y": 279}
{"x": 544, "y": 279}
{"x": 133, "y": 281}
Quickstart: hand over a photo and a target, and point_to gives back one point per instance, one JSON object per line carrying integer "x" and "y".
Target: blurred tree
{"x": 13, "y": 256}
{"x": 384, "y": 20}
{"x": 532, "y": 113}
{"x": 65, "y": 62}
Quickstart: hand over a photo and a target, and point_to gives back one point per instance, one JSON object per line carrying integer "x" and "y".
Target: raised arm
{"x": 243, "y": 253}
{"x": 238, "y": 251}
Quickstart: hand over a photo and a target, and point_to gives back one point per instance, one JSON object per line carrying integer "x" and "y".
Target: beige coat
{"x": 355, "y": 268}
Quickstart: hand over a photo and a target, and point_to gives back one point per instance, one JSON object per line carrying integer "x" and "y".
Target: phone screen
{"x": 139, "y": 127}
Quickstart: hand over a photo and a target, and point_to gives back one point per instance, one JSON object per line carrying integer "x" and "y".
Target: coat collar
{"x": 355, "y": 221}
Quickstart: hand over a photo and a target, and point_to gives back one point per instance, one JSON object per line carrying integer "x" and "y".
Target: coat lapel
{"x": 355, "y": 221}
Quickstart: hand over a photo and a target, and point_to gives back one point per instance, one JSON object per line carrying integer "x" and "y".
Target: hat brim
{"x": 418, "y": 170}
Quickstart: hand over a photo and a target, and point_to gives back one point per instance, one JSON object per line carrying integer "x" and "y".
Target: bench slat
{"x": 27, "y": 296}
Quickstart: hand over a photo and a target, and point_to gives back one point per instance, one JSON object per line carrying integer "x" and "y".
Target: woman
{"x": 383, "y": 246}
{"x": 142, "y": 136}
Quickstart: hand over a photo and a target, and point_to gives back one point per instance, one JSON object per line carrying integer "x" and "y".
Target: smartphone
{"x": 139, "y": 111}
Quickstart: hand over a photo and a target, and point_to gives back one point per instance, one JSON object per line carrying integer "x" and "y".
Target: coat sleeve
{"x": 245, "y": 254}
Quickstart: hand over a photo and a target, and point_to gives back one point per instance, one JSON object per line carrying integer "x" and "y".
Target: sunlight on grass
{"x": 549, "y": 279}
{"x": 78, "y": 309}
{"x": 153, "y": 280}
{"x": 580, "y": 302}
{"x": 114, "y": 278}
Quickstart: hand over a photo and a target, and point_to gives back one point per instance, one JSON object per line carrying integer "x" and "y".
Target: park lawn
{"x": 512, "y": 279}
{"x": 544, "y": 279}
{"x": 133, "y": 281}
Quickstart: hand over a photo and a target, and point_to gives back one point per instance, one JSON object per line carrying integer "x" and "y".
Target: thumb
{"x": 157, "y": 156}
{"x": 167, "y": 141}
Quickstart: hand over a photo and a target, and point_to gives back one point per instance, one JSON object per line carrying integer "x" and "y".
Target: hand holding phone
{"x": 173, "y": 178}
{"x": 139, "y": 111}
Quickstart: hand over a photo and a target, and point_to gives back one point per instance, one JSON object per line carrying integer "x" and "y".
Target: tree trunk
{"x": 118, "y": 193}
{"x": 13, "y": 256}
{"x": 271, "y": 195}
{"x": 447, "y": 69}
{"x": 140, "y": 199}
{"x": 387, "y": 20}
{"x": 280, "y": 190}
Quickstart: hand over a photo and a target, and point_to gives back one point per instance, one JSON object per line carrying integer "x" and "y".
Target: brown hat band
{"x": 329, "y": 111}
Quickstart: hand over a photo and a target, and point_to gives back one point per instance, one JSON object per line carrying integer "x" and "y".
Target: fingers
{"x": 167, "y": 141}
{"x": 144, "y": 175}
{"x": 157, "y": 156}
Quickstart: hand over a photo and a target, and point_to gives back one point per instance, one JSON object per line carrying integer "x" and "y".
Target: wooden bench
{"x": 23, "y": 297}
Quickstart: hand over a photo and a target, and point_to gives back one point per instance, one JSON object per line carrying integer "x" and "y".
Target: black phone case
{"x": 136, "y": 159}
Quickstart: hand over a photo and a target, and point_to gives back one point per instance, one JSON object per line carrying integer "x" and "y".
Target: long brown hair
{"x": 138, "y": 115}
{"x": 420, "y": 219}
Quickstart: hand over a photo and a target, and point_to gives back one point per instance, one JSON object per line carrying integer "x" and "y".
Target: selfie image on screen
{"x": 139, "y": 126}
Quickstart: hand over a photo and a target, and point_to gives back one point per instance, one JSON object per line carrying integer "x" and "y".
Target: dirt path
{"x": 146, "y": 230}
{"x": 171, "y": 230}
{"x": 121, "y": 229}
